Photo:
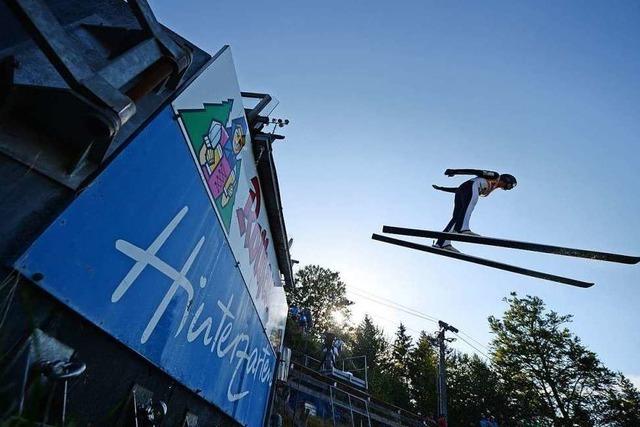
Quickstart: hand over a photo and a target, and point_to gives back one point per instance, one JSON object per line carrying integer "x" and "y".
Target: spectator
{"x": 484, "y": 422}
{"x": 492, "y": 421}
{"x": 442, "y": 421}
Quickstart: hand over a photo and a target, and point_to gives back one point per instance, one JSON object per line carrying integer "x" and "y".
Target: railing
{"x": 357, "y": 365}
{"x": 349, "y": 364}
{"x": 330, "y": 403}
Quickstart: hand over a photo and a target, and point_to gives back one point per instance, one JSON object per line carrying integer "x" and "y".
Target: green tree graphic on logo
{"x": 217, "y": 143}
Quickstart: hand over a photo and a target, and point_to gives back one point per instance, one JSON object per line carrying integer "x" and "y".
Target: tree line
{"x": 536, "y": 373}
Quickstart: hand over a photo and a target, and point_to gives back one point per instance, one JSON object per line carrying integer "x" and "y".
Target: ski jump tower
{"x": 143, "y": 251}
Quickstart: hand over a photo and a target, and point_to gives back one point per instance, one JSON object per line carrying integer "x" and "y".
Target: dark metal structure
{"x": 440, "y": 342}
{"x": 306, "y": 394}
{"x": 78, "y": 80}
{"x": 263, "y": 151}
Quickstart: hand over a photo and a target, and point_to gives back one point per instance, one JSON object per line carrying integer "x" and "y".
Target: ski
{"x": 514, "y": 244}
{"x": 482, "y": 261}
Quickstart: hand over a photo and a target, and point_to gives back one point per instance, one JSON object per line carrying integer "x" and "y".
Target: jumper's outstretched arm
{"x": 446, "y": 189}
{"x": 477, "y": 172}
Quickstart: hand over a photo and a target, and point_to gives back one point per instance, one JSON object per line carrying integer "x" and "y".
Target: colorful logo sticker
{"x": 217, "y": 143}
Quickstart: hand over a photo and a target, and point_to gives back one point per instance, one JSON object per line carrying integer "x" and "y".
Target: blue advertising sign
{"x": 141, "y": 254}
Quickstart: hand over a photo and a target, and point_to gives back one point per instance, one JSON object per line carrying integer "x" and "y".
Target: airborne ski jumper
{"x": 458, "y": 230}
{"x": 466, "y": 197}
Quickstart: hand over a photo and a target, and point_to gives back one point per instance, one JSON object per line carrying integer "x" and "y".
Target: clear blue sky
{"x": 383, "y": 96}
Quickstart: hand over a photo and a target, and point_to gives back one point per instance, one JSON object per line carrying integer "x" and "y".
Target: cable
{"x": 392, "y": 304}
{"x": 475, "y": 340}
{"x": 472, "y": 346}
{"x": 395, "y": 322}
{"x": 396, "y": 307}
{"x": 435, "y": 319}
{"x": 377, "y": 317}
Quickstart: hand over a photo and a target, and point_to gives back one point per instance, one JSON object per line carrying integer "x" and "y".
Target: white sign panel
{"x": 212, "y": 118}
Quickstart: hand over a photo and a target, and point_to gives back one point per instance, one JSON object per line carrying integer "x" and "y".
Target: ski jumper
{"x": 465, "y": 201}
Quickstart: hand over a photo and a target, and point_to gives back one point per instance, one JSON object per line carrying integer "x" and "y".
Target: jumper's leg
{"x": 463, "y": 205}
{"x": 447, "y": 229}
{"x": 464, "y": 224}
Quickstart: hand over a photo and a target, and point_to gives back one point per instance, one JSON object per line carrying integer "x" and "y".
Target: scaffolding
{"x": 313, "y": 398}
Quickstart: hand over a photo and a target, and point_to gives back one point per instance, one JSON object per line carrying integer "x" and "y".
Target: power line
{"x": 472, "y": 346}
{"x": 395, "y": 322}
{"x": 475, "y": 341}
{"x": 413, "y": 312}
{"x": 396, "y": 307}
{"x": 404, "y": 307}
{"x": 411, "y": 329}
{"x": 389, "y": 303}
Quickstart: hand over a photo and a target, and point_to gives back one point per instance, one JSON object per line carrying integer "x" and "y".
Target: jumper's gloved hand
{"x": 449, "y": 172}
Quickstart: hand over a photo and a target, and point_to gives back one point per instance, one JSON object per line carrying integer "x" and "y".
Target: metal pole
{"x": 333, "y": 411}
{"x": 272, "y": 391}
{"x": 366, "y": 374}
{"x": 366, "y": 405}
{"x": 442, "y": 369}
{"x": 350, "y": 409}
{"x": 442, "y": 380}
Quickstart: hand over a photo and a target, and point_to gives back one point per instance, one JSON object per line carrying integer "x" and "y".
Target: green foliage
{"x": 368, "y": 340}
{"x": 621, "y": 406}
{"x": 401, "y": 352}
{"x": 323, "y": 292}
{"x": 540, "y": 373}
{"x": 473, "y": 388}
{"x": 400, "y": 381}
{"x": 548, "y": 373}
{"x": 423, "y": 371}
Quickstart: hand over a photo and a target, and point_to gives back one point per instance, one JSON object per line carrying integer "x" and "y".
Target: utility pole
{"x": 442, "y": 369}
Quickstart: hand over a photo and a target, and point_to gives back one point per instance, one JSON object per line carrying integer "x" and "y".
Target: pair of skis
{"x": 512, "y": 244}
